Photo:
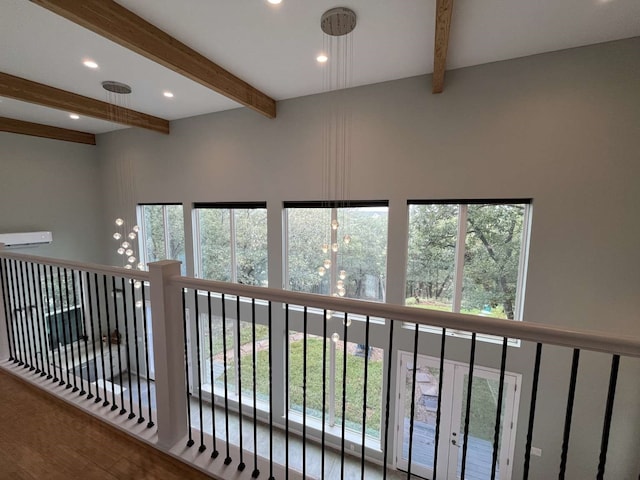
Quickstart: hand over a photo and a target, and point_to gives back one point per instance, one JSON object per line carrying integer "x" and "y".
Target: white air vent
{"x": 27, "y": 239}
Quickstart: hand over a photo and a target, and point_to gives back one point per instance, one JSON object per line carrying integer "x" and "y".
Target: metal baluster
{"x": 241, "y": 465}
{"x": 467, "y": 416}
{"x": 344, "y": 394}
{"x": 70, "y": 342}
{"x": 150, "y": 423}
{"x": 85, "y": 336}
{"x": 43, "y": 334}
{"x": 114, "y": 296}
{"x": 286, "y": 389}
{"x": 304, "y": 393}
{"x": 25, "y": 322}
{"x": 108, "y": 318}
{"x": 202, "y": 446}
{"x": 134, "y": 310}
{"x": 271, "y": 477}
{"x": 364, "y": 395}
{"x": 255, "y": 472}
{"x": 532, "y": 410}
{"x": 227, "y": 459}
{"x": 37, "y": 342}
{"x": 439, "y": 409}
{"x": 214, "y": 453}
{"x": 127, "y": 345}
{"x": 96, "y": 286}
{"x": 7, "y": 316}
{"x": 606, "y": 428}
{"x": 93, "y": 337}
{"x": 413, "y": 397}
{"x": 64, "y": 333}
{"x": 190, "y": 441}
{"x": 54, "y": 326}
{"x": 75, "y": 302}
{"x": 21, "y": 352}
{"x": 569, "y": 412}
{"x": 324, "y": 390}
{"x": 496, "y": 436}
{"x": 387, "y": 402}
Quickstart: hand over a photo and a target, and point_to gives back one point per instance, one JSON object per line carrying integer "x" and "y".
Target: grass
{"x": 497, "y": 312}
{"x": 354, "y": 380}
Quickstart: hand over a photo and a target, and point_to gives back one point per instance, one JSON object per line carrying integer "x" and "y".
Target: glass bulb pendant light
{"x": 117, "y": 236}
{"x": 335, "y": 337}
{"x": 334, "y": 224}
{"x": 347, "y": 239}
{"x": 343, "y": 274}
{"x": 325, "y": 247}
{"x": 327, "y": 263}
{"x": 334, "y": 247}
{"x": 119, "y": 222}
{"x": 321, "y": 271}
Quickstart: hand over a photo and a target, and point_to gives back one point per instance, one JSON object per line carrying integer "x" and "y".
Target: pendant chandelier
{"x": 337, "y": 25}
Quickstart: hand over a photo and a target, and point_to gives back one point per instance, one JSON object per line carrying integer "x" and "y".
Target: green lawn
{"x": 355, "y": 383}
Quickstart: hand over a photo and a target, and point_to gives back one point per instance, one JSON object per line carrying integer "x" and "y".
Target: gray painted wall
{"x": 52, "y": 185}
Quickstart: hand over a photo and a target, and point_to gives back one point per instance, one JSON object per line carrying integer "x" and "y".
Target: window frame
{"x": 231, "y": 207}
{"x": 460, "y": 246}
{"x": 142, "y": 234}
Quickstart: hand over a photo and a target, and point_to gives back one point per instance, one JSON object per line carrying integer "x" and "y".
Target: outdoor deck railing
{"x": 280, "y": 384}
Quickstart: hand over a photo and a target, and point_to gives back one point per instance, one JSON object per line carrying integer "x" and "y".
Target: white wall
{"x": 51, "y": 185}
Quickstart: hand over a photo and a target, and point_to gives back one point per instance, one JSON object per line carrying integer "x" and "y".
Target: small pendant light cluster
{"x": 127, "y": 250}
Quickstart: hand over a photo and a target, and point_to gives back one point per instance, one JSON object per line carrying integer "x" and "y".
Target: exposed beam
{"x": 443, "y": 26}
{"x": 113, "y": 21}
{"x": 46, "y": 131}
{"x": 33, "y": 92}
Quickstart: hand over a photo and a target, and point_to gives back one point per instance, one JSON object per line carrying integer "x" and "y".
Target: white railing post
{"x": 4, "y": 334}
{"x": 168, "y": 352}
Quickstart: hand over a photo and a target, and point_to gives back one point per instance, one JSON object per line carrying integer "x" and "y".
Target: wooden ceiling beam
{"x": 38, "y": 93}
{"x": 113, "y": 21}
{"x": 46, "y": 131}
{"x": 444, "y": 9}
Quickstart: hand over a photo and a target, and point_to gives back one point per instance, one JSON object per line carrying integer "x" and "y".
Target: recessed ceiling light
{"x": 75, "y": 116}
{"x": 168, "y": 94}
{"x": 90, "y": 64}
{"x": 322, "y": 58}
{"x": 274, "y": 2}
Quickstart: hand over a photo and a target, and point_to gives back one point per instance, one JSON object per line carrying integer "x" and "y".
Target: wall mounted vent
{"x": 26, "y": 239}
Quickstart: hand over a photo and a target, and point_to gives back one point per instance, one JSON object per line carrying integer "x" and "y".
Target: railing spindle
{"x": 75, "y": 311}
{"x": 271, "y": 477}
{"x": 45, "y": 349}
{"x": 496, "y": 436}
{"x": 25, "y": 309}
{"x": 64, "y": 330}
{"x": 287, "y": 369}
{"x": 83, "y": 337}
{"x": 241, "y": 465}
{"x": 98, "y": 399}
{"x": 5, "y": 296}
{"x": 304, "y": 393}
{"x": 344, "y": 392}
{"x": 134, "y": 311}
{"x": 606, "y": 428}
{"x": 227, "y": 459}
{"x": 68, "y": 324}
{"x": 387, "y": 401}
{"x": 202, "y": 446}
{"x": 324, "y": 390}
{"x": 214, "y": 453}
{"x": 413, "y": 398}
{"x": 93, "y": 337}
{"x": 110, "y": 350}
{"x": 20, "y": 354}
{"x": 35, "y": 322}
{"x": 532, "y": 410}
{"x": 439, "y": 407}
{"x": 125, "y": 317}
{"x": 364, "y": 395}
{"x": 53, "y": 325}
{"x": 569, "y": 413}
{"x": 147, "y": 359}
{"x": 190, "y": 441}
{"x": 467, "y": 416}
{"x": 118, "y": 338}
{"x": 255, "y": 472}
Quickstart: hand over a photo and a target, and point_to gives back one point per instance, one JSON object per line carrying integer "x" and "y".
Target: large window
{"x": 468, "y": 257}
{"x": 337, "y": 250}
{"x": 162, "y": 235}
{"x": 232, "y": 242}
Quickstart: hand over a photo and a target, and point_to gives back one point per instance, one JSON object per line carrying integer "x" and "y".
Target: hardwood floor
{"x": 41, "y": 437}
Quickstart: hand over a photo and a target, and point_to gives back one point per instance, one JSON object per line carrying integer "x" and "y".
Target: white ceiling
{"x": 274, "y": 47}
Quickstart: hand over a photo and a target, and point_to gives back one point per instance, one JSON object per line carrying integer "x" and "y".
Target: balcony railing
{"x": 250, "y": 382}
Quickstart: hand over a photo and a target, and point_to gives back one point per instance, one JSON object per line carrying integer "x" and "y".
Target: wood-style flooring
{"x": 43, "y": 438}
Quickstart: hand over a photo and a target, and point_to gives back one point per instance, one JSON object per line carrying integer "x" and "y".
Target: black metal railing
{"x": 290, "y": 385}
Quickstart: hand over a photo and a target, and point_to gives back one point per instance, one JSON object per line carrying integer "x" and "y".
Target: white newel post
{"x": 168, "y": 352}
{"x": 4, "y": 334}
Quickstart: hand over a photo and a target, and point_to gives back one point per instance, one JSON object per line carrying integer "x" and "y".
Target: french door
{"x": 453, "y": 401}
